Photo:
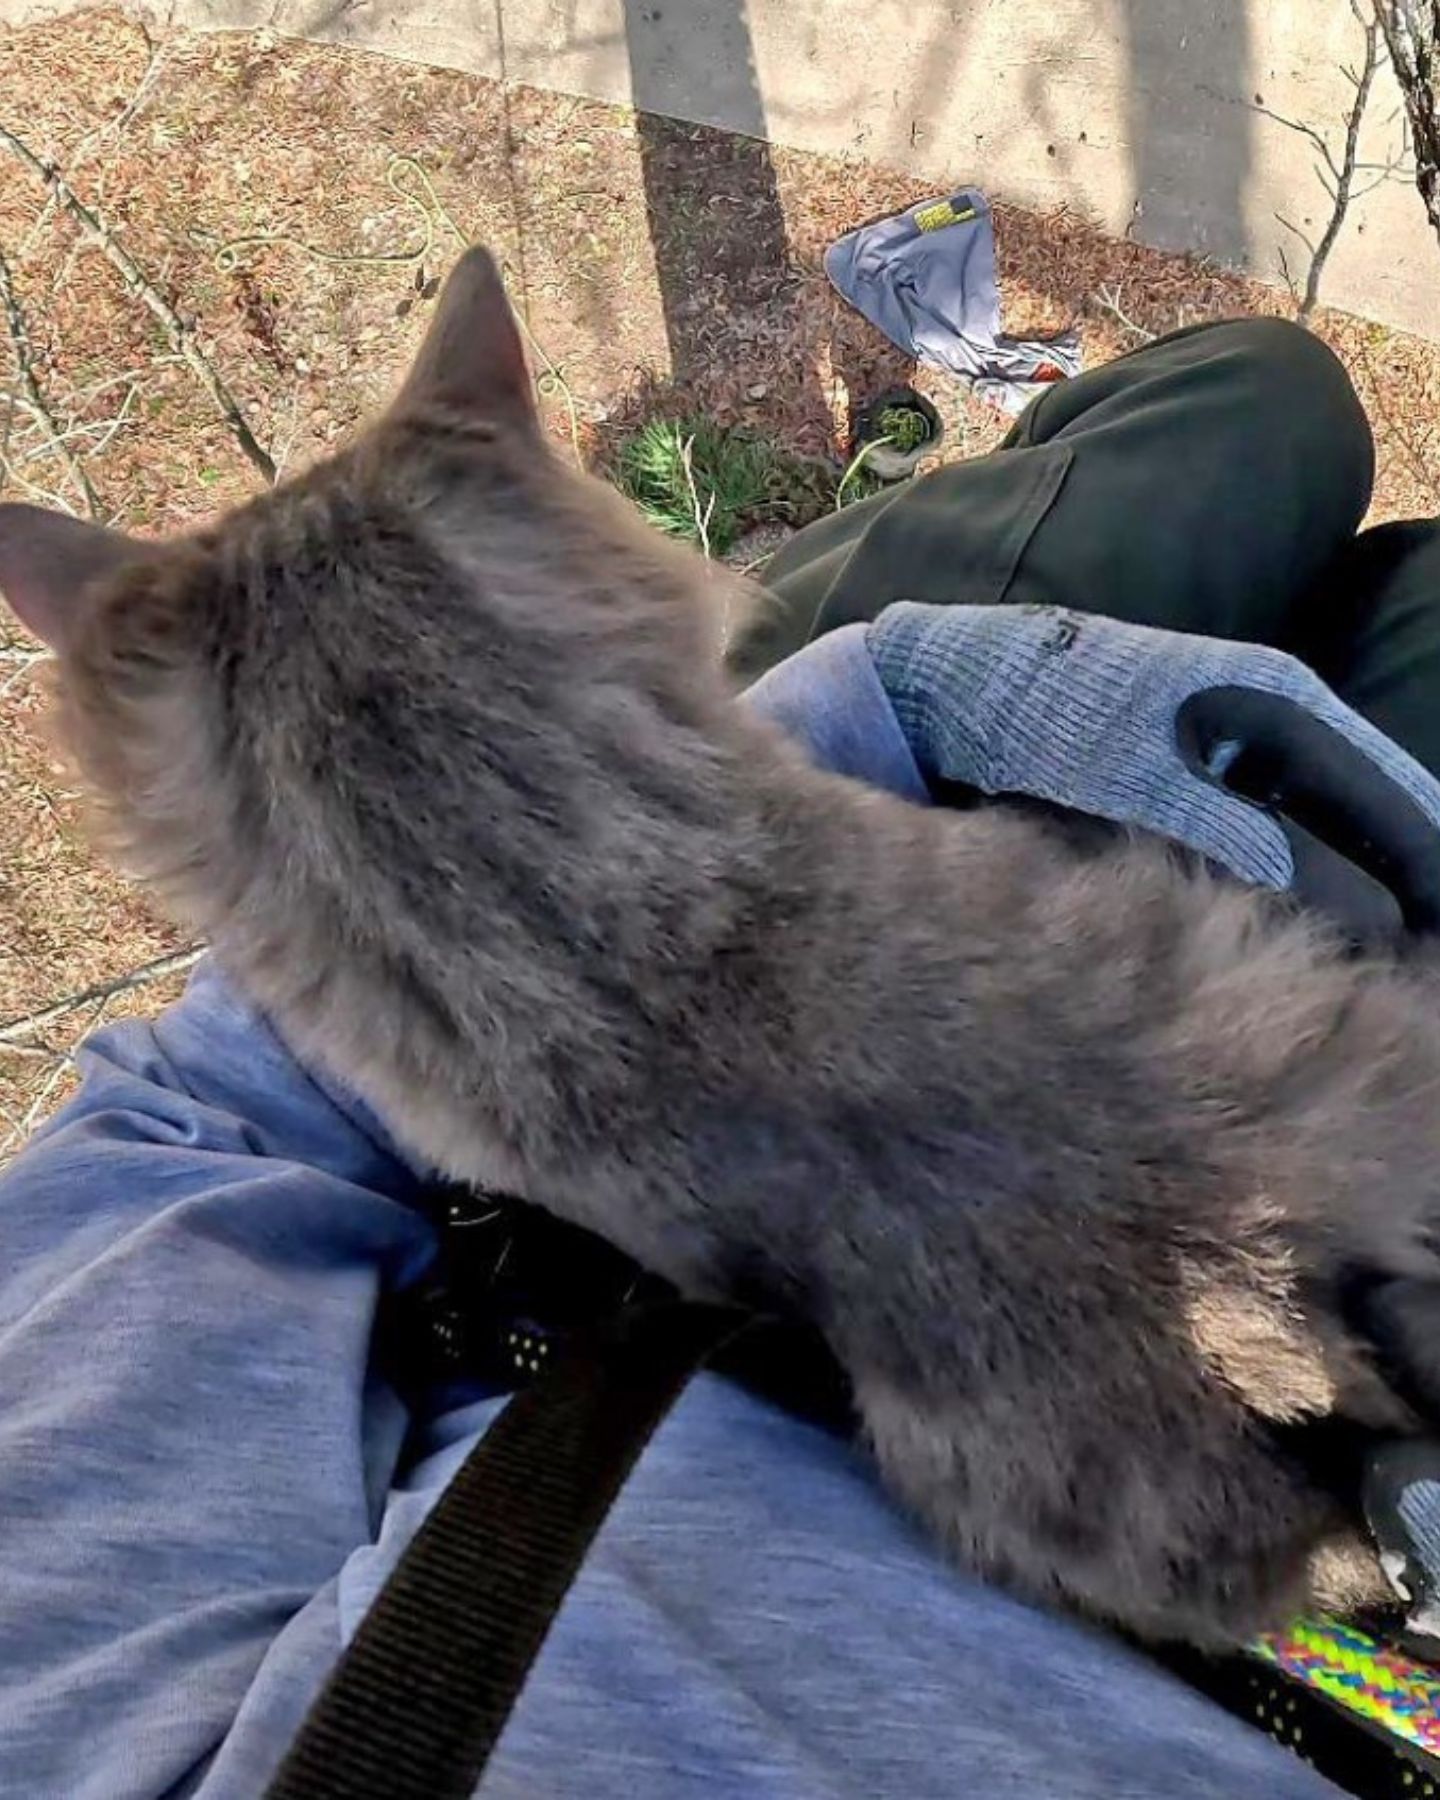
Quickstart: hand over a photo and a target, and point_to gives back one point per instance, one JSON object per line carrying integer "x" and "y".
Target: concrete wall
{"x": 1145, "y": 115}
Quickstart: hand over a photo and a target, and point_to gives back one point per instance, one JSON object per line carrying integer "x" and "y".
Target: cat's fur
{"x": 1073, "y": 1159}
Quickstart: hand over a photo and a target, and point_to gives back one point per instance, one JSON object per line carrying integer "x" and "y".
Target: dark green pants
{"x": 1211, "y": 482}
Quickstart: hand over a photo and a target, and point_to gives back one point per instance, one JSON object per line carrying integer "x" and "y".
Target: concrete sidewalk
{"x": 1151, "y": 117}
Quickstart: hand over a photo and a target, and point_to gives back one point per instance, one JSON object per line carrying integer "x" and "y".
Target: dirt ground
{"x": 296, "y": 207}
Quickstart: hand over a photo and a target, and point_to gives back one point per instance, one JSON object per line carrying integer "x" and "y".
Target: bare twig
{"x": 24, "y": 662}
{"x": 54, "y": 442}
{"x": 42, "y": 495}
{"x": 702, "y": 518}
{"x": 284, "y": 440}
{"x": 35, "y": 398}
{"x": 1108, "y": 300}
{"x": 39, "y": 1100}
{"x": 1316, "y": 138}
{"x": 63, "y": 1062}
{"x": 16, "y": 1030}
{"x": 1400, "y": 430}
{"x": 87, "y": 428}
{"x": 1345, "y": 176}
{"x": 1307, "y": 241}
{"x": 1285, "y": 274}
{"x": 109, "y": 128}
{"x": 181, "y": 336}
{"x": 1336, "y": 175}
{"x": 139, "y": 97}
{"x": 109, "y": 429}
{"x": 126, "y": 378}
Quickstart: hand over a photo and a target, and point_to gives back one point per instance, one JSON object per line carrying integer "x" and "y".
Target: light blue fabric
{"x": 1419, "y": 1508}
{"x": 926, "y": 277}
{"x": 203, "y": 1483}
{"x": 831, "y": 701}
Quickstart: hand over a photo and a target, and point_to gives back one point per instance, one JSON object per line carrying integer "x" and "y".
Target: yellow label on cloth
{"x": 941, "y": 213}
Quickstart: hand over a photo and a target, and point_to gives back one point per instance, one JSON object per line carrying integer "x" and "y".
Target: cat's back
{"x": 1105, "y": 998}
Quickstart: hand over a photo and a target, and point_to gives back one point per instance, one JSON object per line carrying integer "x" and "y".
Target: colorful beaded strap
{"x": 1381, "y": 1685}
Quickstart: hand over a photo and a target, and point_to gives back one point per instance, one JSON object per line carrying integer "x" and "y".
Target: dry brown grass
{"x": 711, "y": 297}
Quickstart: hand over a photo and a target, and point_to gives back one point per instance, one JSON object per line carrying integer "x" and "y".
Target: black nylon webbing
{"x": 1357, "y": 1757}
{"x": 415, "y": 1705}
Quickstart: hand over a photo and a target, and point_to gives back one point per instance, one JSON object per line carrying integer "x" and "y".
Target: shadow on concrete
{"x": 716, "y": 219}
{"x": 1187, "y": 115}
{"x": 1189, "y": 79}
{"x": 717, "y": 222}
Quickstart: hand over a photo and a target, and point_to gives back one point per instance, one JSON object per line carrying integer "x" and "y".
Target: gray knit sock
{"x": 1080, "y": 710}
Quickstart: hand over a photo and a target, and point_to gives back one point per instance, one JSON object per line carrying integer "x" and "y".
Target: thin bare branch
{"x": 1285, "y": 274}
{"x": 34, "y": 396}
{"x": 107, "y": 430}
{"x": 285, "y": 438}
{"x": 1295, "y": 230}
{"x": 108, "y": 129}
{"x": 24, "y": 662}
{"x": 1306, "y": 131}
{"x": 1345, "y": 179}
{"x": 17, "y": 1030}
{"x": 182, "y": 337}
{"x": 1337, "y": 176}
{"x": 63, "y": 1063}
{"x": 1399, "y": 428}
{"x": 702, "y": 518}
{"x": 1379, "y": 181}
{"x": 42, "y": 496}
{"x": 1108, "y": 300}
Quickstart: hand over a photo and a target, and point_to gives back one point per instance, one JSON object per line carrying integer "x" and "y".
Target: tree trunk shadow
{"x": 716, "y": 219}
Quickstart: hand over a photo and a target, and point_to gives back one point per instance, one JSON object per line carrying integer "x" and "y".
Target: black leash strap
{"x": 417, "y": 1702}
{"x": 1359, "y": 1758}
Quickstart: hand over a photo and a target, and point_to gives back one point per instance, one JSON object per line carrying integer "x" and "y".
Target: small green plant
{"x": 693, "y": 480}
{"x": 708, "y": 484}
{"x": 904, "y": 428}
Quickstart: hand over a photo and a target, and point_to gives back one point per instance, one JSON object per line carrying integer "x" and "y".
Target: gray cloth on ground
{"x": 926, "y": 277}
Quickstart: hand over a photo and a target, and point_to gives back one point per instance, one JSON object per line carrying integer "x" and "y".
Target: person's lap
{"x": 1211, "y": 482}
{"x": 1373, "y": 632}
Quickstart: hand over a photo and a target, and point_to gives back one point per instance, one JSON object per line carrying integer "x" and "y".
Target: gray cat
{"x": 1075, "y": 1160}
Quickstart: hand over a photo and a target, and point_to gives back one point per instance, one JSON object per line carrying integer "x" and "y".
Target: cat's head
{"x": 442, "y": 614}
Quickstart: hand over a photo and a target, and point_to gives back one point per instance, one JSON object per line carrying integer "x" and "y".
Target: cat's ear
{"x": 47, "y": 559}
{"x": 472, "y": 358}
